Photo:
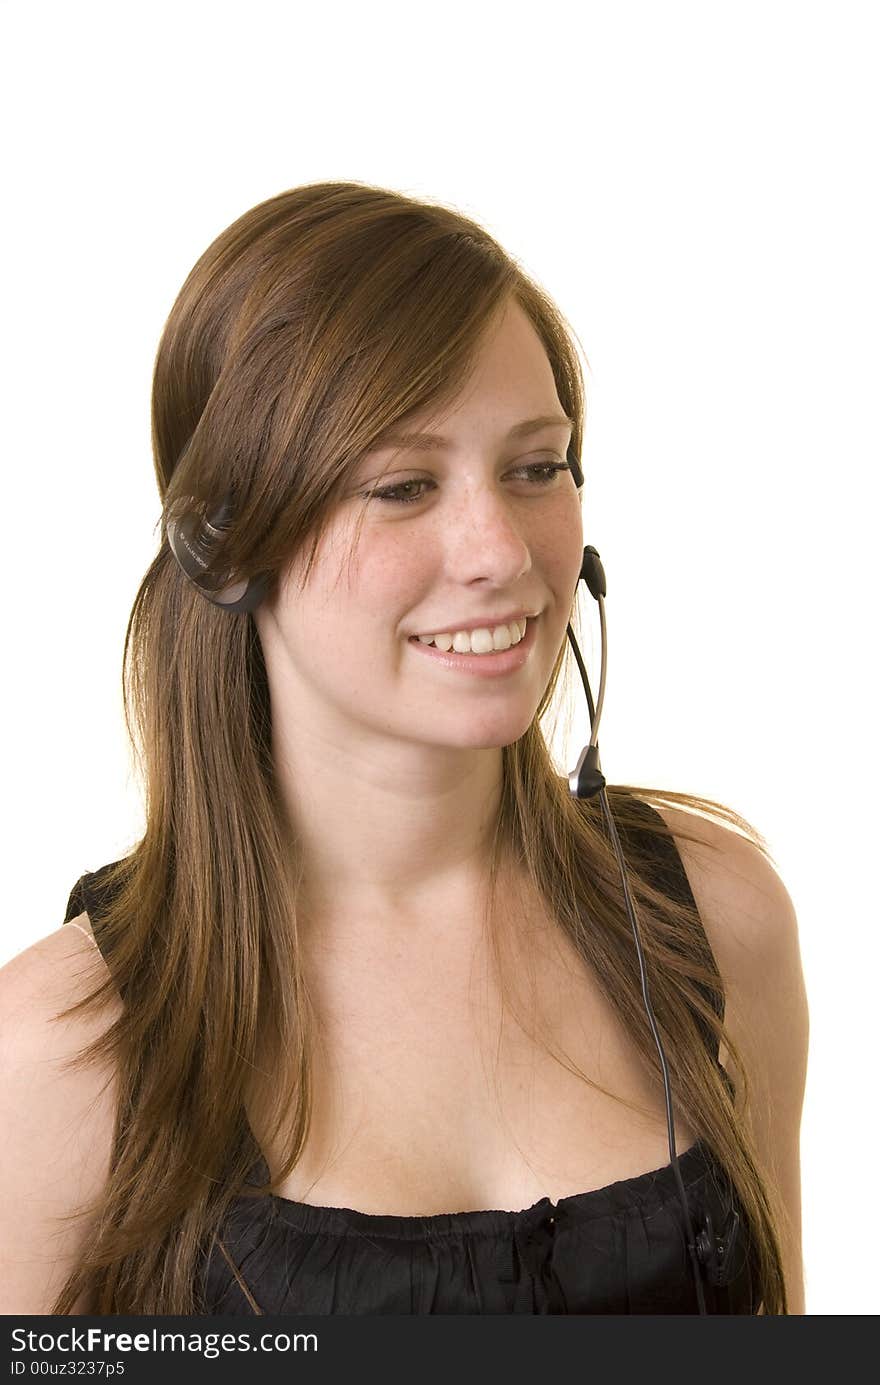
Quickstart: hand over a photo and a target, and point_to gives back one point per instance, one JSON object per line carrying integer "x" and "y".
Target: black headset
{"x": 192, "y": 539}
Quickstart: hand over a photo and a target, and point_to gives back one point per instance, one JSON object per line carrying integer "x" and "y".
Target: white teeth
{"x": 480, "y": 641}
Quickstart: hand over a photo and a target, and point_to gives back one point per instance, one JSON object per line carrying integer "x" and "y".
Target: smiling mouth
{"x": 484, "y": 640}
{"x": 497, "y": 663}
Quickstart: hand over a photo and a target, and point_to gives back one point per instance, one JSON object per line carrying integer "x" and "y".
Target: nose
{"x": 485, "y": 539}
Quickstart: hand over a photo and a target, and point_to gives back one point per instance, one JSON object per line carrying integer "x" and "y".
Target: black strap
{"x": 665, "y": 870}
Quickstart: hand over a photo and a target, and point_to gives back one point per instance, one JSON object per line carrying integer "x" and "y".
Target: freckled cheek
{"x": 560, "y": 549}
{"x": 390, "y": 577}
{"x": 365, "y": 611}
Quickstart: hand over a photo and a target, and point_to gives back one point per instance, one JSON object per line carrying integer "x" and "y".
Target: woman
{"x": 360, "y": 1016}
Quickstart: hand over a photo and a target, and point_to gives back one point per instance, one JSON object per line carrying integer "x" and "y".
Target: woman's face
{"x": 464, "y": 534}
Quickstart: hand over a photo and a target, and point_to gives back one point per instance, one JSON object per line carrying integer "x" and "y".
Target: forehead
{"x": 511, "y": 392}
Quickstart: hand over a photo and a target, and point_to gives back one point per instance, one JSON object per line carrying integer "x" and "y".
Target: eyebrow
{"x": 432, "y": 442}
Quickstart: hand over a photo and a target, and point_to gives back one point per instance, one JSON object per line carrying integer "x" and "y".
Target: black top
{"x": 617, "y": 1249}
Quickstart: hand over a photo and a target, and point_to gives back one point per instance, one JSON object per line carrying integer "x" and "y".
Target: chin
{"x": 488, "y": 736}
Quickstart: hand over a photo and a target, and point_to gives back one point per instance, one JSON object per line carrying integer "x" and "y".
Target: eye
{"x": 540, "y": 475}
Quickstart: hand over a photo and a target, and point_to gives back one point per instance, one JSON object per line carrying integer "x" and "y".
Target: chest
{"x": 451, "y": 1079}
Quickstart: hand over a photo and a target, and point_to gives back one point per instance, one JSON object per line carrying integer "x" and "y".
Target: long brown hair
{"x": 311, "y": 324}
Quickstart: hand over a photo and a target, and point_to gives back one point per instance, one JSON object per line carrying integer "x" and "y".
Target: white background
{"x": 696, "y": 185}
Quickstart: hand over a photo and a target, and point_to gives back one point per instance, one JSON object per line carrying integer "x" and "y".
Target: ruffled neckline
{"x": 645, "y": 1191}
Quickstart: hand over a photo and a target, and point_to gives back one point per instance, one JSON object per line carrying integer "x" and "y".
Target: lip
{"x": 482, "y": 623}
{"x": 482, "y": 665}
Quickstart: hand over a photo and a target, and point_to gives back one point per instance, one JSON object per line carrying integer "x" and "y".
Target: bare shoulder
{"x": 744, "y": 905}
{"x": 58, "y": 1119}
{"x": 752, "y": 928}
{"x": 47, "y": 977}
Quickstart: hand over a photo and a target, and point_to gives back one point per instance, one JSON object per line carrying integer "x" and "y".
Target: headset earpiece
{"x": 192, "y": 541}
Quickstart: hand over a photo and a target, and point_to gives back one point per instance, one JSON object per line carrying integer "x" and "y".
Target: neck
{"x": 391, "y": 837}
